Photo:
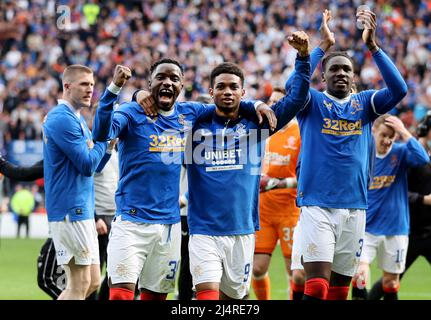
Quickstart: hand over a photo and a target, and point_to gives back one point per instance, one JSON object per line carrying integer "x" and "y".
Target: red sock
{"x": 121, "y": 294}
{"x": 338, "y": 293}
{"x": 208, "y": 295}
{"x": 295, "y": 289}
{"x": 316, "y": 288}
{"x": 153, "y": 296}
{"x": 391, "y": 289}
{"x": 262, "y": 287}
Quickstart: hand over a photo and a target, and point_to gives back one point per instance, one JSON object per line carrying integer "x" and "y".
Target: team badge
{"x": 181, "y": 119}
{"x": 394, "y": 160}
{"x": 240, "y": 130}
{"x": 291, "y": 144}
{"x": 185, "y": 123}
{"x": 328, "y": 105}
{"x": 356, "y": 106}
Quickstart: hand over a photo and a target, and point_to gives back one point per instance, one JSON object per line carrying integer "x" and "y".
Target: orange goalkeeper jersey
{"x": 281, "y": 154}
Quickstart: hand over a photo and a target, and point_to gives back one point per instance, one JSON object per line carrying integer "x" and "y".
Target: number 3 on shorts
{"x": 173, "y": 270}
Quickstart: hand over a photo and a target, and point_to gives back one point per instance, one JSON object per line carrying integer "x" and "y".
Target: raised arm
{"x": 385, "y": 99}
{"x": 250, "y": 108}
{"x": 327, "y": 40}
{"x": 105, "y": 125}
{"x": 286, "y": 108}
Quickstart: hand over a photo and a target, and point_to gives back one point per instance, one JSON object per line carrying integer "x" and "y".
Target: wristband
{"x": 290, "y": 182}
{"x": 114, "y": 88}
{"x": 272, "y": 183}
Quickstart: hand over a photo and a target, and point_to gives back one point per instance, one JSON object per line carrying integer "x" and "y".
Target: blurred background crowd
{"x": 46, "y": 35}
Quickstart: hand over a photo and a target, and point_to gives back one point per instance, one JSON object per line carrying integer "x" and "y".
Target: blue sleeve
{"x": 103, "y": 162}
{"x": 247, "y": 108}
{"x": 68, "y": 137}
{"x": 103, "y": 124}
{"x": 286, "y": 108}
{"x": 385, "y": 99}
{"x": 315, "y": 57}
{"x": 200, "y": 110}
{"x": 416, "y": 154}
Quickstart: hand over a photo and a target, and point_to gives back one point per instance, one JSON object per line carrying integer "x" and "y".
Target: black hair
{"x": 335, "y": 54}
{"x": 226, "y": 67}
{"x": 166, "y": 60}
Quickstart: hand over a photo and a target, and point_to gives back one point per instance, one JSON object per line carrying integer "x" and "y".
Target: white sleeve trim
{"x": 372, "y": 104}
{"x": 306, "y": 102}
{"x": 184, "y": 200}
{"x": 114, "y": 88}
{"x": 257, "y": 104}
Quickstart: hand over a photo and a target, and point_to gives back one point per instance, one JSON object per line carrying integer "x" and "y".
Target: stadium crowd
{"x": 47, "y": 36}
{"x": 200, "y": 34}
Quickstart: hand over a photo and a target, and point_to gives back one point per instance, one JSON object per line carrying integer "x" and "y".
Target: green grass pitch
{"x": 18, "y": 274}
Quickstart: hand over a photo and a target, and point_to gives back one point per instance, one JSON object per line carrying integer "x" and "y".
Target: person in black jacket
{"x": 51, "y": 277}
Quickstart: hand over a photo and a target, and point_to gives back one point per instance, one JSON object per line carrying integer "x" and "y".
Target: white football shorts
{"x": 227, "y": 260}
{"x": 391, "y": 252}
{"x": 332, "y": 235}
{"x": 77, "y": 239}
{"x": 296, "y": 252}
{"x": 148, "y": 252}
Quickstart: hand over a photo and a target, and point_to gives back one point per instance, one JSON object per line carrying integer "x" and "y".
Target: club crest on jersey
{"x": 394, "y": 160}
{"x": 240, "y": 130}
{"x": 356, "y": 106}
{"x": 291, "y": 144}
{"x": 185, "y": 123}
{"x": 328, "y": 105}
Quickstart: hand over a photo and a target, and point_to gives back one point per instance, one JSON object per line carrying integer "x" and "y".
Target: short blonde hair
{"x": 380, "y": 120}
{"x": 71, "y": 72}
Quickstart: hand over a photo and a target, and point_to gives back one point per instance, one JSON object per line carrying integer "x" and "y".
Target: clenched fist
{"x": 300, "y": 41}
{"x": 121, "y": 75}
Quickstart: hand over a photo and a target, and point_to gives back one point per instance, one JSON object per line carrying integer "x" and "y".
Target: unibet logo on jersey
{"x": 223, "y": 159}
{"x": 338, "y": 127}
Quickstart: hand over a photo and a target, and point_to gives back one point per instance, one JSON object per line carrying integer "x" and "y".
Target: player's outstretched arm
{"x": 385, "y": 99}
{"x": 12, "y": 171}
{"x": 327, "y": 40}
{"x": 286, "y": 108}
{"x": 252, "y": 108}
{"x": 327, "y": 37}
{"x": 104, "y": 126}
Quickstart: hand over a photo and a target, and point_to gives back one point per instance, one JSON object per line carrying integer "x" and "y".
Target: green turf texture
{"x": 18, "y": 274}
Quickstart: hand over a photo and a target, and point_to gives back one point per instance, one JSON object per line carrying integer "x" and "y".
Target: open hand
{"x": 147, "y": 102}
{"x": 263, "y": 110}
{"x": 327, "y": 37}
{"x": 370, "y": 25}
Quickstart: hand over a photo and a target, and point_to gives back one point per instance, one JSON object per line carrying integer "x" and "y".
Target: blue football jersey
{"x": 150, "y": 156}
{"x": 335, "y": 151}
{"x": 224, "y": 174}
{"x": 70, "y": 159}
{"x": 388, "y": 208}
